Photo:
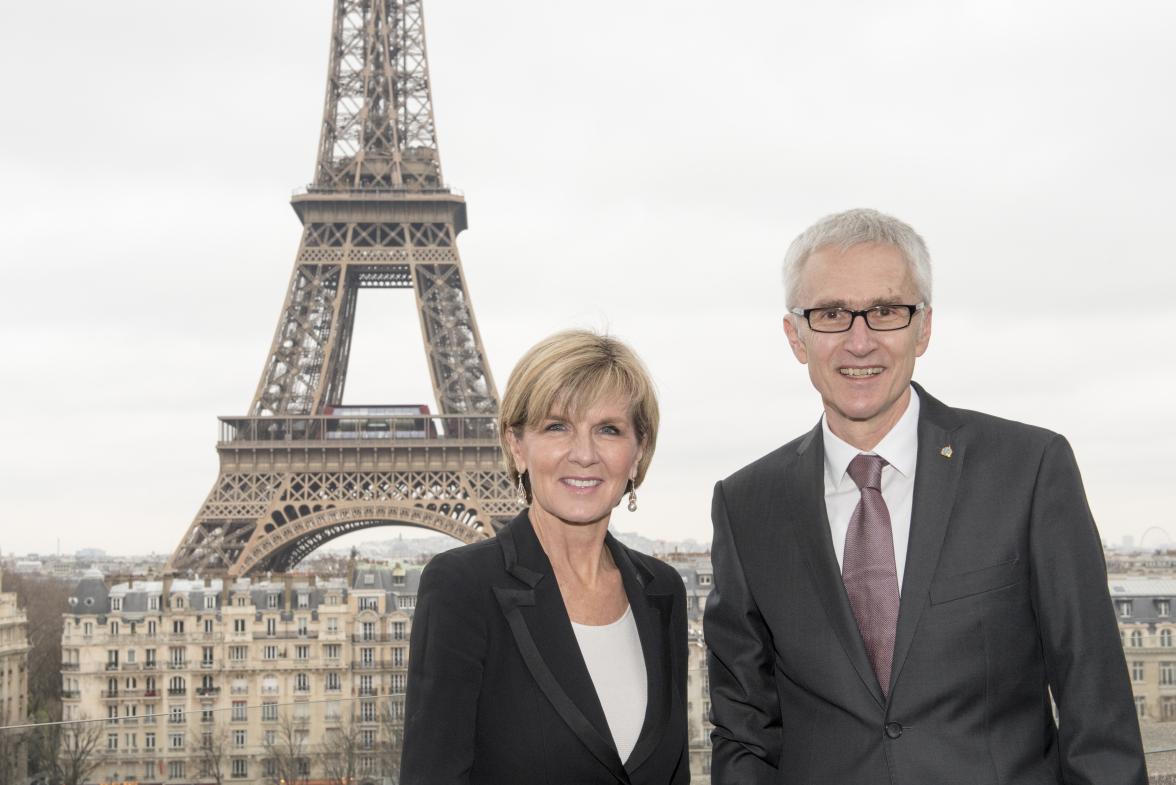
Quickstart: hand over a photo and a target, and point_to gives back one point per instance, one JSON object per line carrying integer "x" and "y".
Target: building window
{"x": 208, "y": 626}
{"x": 369, "y": 603}
{"x": 398, "y": 628}
{"x": 301, "y": 682}
{"x": 269, "y": 684}
{"x": 303, "y": 599}
{"x": 332, "y": 625}
{"x": 240, "y": 768}
{"x": 1165, "y": 637}
{"x": 153, "y": 602}
{"x": 1141, "y": 707}
{"x": 398, "y": 657}
{"x": 151, "y": 629}
{"x": 271, "y": 627}
{"x": 303, "y": 629}
{"x": 1136, "y": 639}
{"x": 175, "y": 770}
{"x": 175, "y": 741}
{"x": 269, "y": 711}
{"x": 1163, "y": 608}
{"x": 271, "y": 601}
{"x": 331, "y": 651}
{"x": 209, "y": 602}
{"x": 149, "y": 740}
{"x": 178, "y": 626}
{"x": 269, "y": 653}
{"x": 398, "y": 682}
{"x": 704, "y": 579}
{"x": 175, "y": 715}
{"x": 206, "y": 657}
{"x": 240, "y": 711}
{"x": 239, "y": 626}
{"x": 367, "y": 657}
{"x": 112, "y": 741}
{"x": 238, "y": 653}
{"x": 302, "y": 652}
{"x": 333, "y": 683}
{"x": 1137, "y": 671}
{"x": 367, "y": 712}
{"x": 1124, "y": 609}
{"x": 239, "y": 738}
{"x": 1167, "y": 673}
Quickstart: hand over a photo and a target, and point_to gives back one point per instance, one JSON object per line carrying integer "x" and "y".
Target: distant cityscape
{"x": 299, "y": 678}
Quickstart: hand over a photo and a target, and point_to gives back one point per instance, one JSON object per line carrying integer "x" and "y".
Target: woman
{"x": 552, "y": 653}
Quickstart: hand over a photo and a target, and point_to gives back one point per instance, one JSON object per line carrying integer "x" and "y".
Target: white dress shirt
{"x": 616, "y": 665}
{"x": 899, "y": 448}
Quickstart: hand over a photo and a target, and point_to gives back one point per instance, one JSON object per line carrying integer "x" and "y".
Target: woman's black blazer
{"x": 497, "y": 688}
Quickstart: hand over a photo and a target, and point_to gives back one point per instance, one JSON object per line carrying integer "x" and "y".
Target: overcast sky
{"x": 635, "y": 166}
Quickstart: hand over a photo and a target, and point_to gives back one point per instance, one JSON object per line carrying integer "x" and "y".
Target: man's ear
{"x": 794, "y": 339}
{"x": 924, "y": 334}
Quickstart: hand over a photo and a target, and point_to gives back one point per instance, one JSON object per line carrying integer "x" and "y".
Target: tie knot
{"x": 866, "y": 471}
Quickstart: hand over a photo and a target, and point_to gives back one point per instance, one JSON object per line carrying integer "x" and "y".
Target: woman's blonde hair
{"x": 569, "y": 372}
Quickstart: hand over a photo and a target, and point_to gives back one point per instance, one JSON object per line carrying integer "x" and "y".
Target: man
{"x": 899, "y": 592}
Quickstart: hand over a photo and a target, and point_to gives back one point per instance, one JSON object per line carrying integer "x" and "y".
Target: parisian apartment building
{"x": 14, "y": 685}
{"x": 291, "y": 678}
{"x": 1147, "y": 627}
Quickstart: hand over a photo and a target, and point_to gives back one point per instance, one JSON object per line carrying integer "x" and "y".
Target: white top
{"x": 899, "y": 448}
{"x": 616, "y": 664}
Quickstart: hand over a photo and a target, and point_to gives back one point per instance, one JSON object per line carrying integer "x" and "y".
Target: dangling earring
{"x": 521, "y": 498}
{"x": 632, "y": 497}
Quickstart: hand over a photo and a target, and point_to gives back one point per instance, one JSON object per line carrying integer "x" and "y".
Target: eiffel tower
{"x": 301, "y": 468}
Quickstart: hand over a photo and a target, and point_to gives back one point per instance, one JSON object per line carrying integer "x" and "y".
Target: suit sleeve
{"x": 1097, "y": 724}
{"x": 745, "y": 708}
{"x": 446, "y": 652}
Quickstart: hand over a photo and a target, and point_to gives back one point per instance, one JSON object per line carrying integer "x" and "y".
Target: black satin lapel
{"x": 651, "y": 613}
{"x": 804, "y": 488}
{"x": 513, "y": 603}
{"x": 937, "y": 472}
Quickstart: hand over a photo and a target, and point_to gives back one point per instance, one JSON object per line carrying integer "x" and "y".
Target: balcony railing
{"x": 174, "y": 691}
{"x": 70, "y": 666}
{"x": 112, "y": 666}
{"x": 208, "y": 690}
{"x": 423, "y": 431}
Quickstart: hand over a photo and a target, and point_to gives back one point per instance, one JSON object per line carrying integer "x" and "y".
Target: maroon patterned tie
{"x": 871, "y": 580}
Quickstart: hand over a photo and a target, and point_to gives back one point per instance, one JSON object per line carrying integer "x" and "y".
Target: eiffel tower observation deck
{"x": 301, "y": 468}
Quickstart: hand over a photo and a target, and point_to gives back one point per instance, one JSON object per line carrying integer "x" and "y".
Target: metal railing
{"x": 422, "y": 430}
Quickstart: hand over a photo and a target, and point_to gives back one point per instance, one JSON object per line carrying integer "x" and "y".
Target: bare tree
{"x": 341, "y": 750}
{"x": 12, "y": 757}
{"x": 45, "y": 601}
{"x": 212, "y": 752}
{"x": 389, "y": 745}
{"x": 287, "y": 757}
{"x": 70, "y": 752}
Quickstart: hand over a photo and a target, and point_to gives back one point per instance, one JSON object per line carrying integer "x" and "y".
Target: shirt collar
{"x": 899, "y": 447}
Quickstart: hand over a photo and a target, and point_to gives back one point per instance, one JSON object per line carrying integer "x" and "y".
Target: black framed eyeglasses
{"x": 880, "y": 318}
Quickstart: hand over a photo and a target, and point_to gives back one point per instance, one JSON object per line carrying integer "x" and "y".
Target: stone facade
{"x": 14, "y": 683}
{"x": 1147, "y": 626}
{"x": 248, "y": 678}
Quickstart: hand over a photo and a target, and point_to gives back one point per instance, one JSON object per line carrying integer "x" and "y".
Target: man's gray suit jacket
{"x": 1004, "y": 601}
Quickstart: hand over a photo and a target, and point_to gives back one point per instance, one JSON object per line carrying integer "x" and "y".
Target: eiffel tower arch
{"x": 301, "y": 468}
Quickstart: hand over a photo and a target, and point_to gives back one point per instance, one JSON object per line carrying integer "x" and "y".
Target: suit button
{"x": 893, "y": 730}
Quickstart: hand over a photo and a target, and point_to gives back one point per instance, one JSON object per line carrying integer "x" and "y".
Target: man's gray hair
{"x": 854, "y": 227}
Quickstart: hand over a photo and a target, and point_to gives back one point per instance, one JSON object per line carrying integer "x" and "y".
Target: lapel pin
{"x": 946, "y": 451}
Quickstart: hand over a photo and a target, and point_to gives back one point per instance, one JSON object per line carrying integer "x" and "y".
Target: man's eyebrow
{"x": 831, "y": 304}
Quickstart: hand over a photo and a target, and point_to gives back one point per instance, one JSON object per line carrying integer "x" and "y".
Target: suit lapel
{"x": 543, "y": 633}
{"x": 804, "y": 486}
{"x": 937, "y": 472}
{"x": 651, "y": 612}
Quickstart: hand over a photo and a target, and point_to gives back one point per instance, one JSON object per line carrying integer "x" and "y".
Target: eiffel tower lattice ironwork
{"x": 301, "y": 469}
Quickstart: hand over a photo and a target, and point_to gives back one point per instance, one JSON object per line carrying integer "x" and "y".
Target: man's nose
{"x": 860, "y": 339}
